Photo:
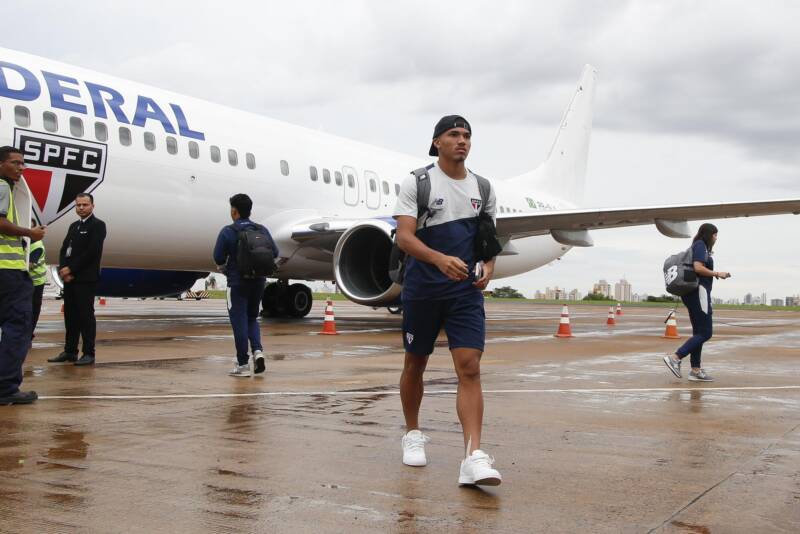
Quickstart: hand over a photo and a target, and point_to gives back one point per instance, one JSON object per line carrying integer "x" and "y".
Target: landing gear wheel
{"x": 298, "y": 300}
{"x": 270, "y": 301}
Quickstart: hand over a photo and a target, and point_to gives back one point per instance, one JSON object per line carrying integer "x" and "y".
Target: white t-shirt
{"x": 450, "y": 199}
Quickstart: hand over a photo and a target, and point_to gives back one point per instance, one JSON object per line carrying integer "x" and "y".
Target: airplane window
{"x": 312, "y": 171}
{"x": 100, "y": 131}
{"x": 372, "y": 185}
{"x": 22, "y": 116}
{"x": 76, "y": 126}
{"x": 351, "y": 181}
{"x": 233, "y": 157}
{"x": 284, "y": 167}
{"x": 125, "y": 136}
{"x": 326, "y": 176}
{"x": 194, "y": 150}
{"x": 149, "y": 141}
{"x": 397, "y": 189}
{"x": 215, "y": 156}
{"x": 172, "y": 145}
{"x": 251, "y": 160}
{"x": 50, "y": 121}
{"x": 338, "y": 177}
{"x": 385, "y": 186}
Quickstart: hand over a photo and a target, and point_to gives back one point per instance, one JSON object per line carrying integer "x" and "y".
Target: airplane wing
{"x": 570, "y": 227}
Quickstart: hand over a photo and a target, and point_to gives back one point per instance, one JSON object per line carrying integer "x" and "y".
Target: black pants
{"x": 15, "y": 322}
{"x": 79, "y": 317}
{"x": 37, "y": 305}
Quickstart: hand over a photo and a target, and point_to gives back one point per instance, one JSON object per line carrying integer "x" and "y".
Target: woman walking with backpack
{"x": 698, "y": 302}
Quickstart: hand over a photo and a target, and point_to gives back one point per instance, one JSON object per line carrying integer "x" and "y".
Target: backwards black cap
{"x": 448, "y": 123}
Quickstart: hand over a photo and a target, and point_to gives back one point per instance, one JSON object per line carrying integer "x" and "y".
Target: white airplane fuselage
{"x": 163, "y": 210}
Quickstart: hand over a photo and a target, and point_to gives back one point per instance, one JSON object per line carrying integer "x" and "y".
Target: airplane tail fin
{"x": 564, "y": 172}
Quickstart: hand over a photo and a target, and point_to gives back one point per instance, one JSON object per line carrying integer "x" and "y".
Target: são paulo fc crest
{"x": 476, "y": 203}
{"x": 57, "y": 169}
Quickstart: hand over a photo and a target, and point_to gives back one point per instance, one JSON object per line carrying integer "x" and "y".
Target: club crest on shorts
{"x": 476, "y": 203}
{"x": 409, "y": 337}
{"x": 57, "y": 169}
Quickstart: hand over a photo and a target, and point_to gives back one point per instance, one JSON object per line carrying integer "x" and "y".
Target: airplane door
{"x": 352, "y": 186}
{"x": 373, "y": 187}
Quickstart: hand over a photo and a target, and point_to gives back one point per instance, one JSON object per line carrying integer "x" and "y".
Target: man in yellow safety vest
{"x": 37, "y": 267}
{"x": 16, "y": 288}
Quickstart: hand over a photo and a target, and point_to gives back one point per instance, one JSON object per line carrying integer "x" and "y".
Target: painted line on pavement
{"x": 396, "y": 392}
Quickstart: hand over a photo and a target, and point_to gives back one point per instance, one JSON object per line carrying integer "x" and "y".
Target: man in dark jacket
{"x": 79, "y": 269}
{"x": 244, "y": 294}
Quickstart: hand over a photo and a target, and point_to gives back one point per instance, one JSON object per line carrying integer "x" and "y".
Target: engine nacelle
{"x": 361, "y": 263}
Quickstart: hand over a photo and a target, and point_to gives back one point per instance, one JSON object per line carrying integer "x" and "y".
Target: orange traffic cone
{"x": 619, "y": 308}
{"x": 102, "y": 301}
{"x": 611, "y": 321}
{"x": 329, "y": 325}
{"x": 564, "y": 329}
{"x": 672, "y": 326}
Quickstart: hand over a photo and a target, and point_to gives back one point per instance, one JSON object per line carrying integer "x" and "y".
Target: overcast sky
{"x": 696, "y": 101}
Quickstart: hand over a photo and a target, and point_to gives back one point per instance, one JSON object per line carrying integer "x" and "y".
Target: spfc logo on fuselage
{"x": 57, "y": 169}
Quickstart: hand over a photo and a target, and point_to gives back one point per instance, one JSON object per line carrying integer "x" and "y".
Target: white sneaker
{"x": 259, "y": 364}
{"x": 241, "y": 370}
{"x": 414, "y": 448}
{"x": 477, "y": 469}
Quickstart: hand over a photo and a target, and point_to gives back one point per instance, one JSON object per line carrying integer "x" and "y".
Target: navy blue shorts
{"x": 463, "y": 319}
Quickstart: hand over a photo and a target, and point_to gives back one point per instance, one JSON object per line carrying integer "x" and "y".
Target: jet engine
{"x": 361, "y": 263}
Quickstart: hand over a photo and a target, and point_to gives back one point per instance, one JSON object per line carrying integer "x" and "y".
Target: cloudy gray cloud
{"x": 696, "y": 101}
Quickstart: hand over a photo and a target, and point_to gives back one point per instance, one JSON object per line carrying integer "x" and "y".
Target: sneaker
{"x": 673, "y": 366}
{"x": 700, "y": 376}
{"x": 240, "y": 370}
{"x": 20, "y": 397}
{"x": 259, "y": 364}
{"x": 414, "y": 448}
{"x": 477, "y": 469}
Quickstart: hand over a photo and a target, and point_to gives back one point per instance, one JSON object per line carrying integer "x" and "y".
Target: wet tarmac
{"x": 590, "y": 433}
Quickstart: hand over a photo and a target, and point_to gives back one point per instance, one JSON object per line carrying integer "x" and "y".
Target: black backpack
{"x": 679, "y": 276}
{"x": 486, "y": 244}
{"x": 254, "y": 253}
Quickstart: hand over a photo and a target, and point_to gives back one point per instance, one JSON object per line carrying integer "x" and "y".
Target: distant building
{"x": 716, "y": 300}
{"x": 792, "y": 301}
{"x": 622, "y": 291}
{"x": 539, "y": 295}
{"x": 776, "y": 302}
{"x": 574, "y": 295}
{"x": 603, "y": 288}
{"x": 764, "y": 298}
{"x": 555, "y": 294}
{"x": 748, "y": 299}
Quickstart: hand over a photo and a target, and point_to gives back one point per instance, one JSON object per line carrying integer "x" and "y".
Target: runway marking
{"x": 396, "y": 392}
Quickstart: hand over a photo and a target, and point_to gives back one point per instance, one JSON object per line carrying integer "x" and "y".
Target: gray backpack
{"x": 397, "y": 258}
{"x": 679, "y": 275}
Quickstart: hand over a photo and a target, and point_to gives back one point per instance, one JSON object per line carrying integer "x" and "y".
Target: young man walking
{"x": 442, "y": 289}
{"x": 244, "y": 293}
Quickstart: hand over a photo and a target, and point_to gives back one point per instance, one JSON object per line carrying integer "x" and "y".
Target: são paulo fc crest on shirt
{"x": 476, "y": 203}
{"x": 57, "y": 169}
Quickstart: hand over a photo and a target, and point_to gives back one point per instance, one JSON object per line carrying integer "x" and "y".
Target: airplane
{"x": 161, "y": 167}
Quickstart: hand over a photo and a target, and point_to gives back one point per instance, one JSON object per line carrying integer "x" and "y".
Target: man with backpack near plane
{"x": 442, "y": 212}
{"x": 245, "y": 252}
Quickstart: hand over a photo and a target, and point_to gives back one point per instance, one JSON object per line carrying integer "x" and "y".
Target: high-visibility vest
{"x": 38, "y": 270}
{"x": 12, "y": 251}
